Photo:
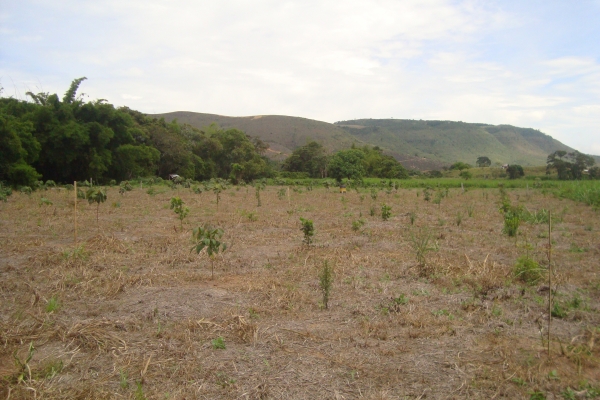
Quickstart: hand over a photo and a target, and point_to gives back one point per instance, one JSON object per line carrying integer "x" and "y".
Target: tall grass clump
{"x": 326, "y": 282}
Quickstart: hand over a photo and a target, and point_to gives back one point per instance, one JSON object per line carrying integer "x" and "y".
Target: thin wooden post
{"x": 549, "y": 277}
{"x": 75, "y": 185}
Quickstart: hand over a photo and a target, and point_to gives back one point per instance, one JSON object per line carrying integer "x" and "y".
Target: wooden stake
{"x": 75, "y": 184}
{"x": 549, "y": 277}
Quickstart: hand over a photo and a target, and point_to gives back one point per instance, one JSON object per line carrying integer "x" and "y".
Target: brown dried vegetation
{"x": 131, "y": 312}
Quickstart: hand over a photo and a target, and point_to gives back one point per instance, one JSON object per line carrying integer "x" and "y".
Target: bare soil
{"x": 129, "y": 311}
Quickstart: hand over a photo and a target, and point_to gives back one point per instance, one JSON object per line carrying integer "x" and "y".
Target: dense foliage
{"x": 354, "y": 163}
{"x": 570, "y": 165}
{"x": 68, "y": 139}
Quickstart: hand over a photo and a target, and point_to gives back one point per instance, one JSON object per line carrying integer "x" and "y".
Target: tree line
{"x": 66, "y": 139}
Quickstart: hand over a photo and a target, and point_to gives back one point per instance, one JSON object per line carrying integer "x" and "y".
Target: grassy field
{"x": 426, "y": 304}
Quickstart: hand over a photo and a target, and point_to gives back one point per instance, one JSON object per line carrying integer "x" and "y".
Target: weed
{"x": 308, "y": 230}
{"x": 218, "y": 343}
{"x": 356, "y": 225}
{"x": 537, "y": 395}
{"x": 45, "y": 202}
{"x": 24, "y": 372}
{"x": 496, "y": 311}
{"x": 576, "y": 249}
{"x": 421, "y": 244}
{"x": 50, "y": 369}
{"x": 528, "y": 271}
{"x": 139, "y": 392}
{"x": 123, "y": 379}
{"x": 372, "y": 211}
{"x": 413, "y": 216}
{"x": 558, "y": 311}
{"x": 459, "y": 218}
{"x": 223, "y": 380}
{"x": 52, "y": 305}
{"x": 511, "y": 224}
{"x": 470, "y": 210}
{"x": 536, "y": 217}
{"x": 326, "y": 282}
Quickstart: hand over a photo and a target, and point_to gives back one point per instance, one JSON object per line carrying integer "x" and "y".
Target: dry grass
{"x": 130, "y": 312}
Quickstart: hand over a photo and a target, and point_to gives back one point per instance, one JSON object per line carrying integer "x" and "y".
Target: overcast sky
{"x": 527, "y": 63}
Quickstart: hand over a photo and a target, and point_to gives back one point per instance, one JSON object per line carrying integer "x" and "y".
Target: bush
{"x": 23, "y": 175}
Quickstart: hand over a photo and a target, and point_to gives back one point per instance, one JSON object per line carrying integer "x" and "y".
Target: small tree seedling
{"x": 179, "y": 209}
{"x": 96, "y": 195}
{"x": 209, "y": 238}
{"x": 386, "y": 212}
{"x": 258, "y": 186}
{"x": 308, "y": 229}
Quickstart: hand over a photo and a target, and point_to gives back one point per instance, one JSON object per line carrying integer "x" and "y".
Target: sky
{"x": 533, "y": 64}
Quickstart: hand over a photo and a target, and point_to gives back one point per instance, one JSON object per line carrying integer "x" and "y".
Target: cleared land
{"x": 130, "y": 312}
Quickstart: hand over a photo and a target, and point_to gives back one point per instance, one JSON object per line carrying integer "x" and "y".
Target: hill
{"x": 417, "y": 144}
{"x": 282, "y": 133}
{"x": 448, "y": 141}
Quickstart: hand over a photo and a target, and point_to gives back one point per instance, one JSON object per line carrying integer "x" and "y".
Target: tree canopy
{"x": 569, "y": 165}
{"x": 68, "y": 139}
{"x": 483, "y": 161}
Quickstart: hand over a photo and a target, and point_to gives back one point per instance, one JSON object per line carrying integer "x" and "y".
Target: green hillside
{"x": 282, "y": 133}
{"x": 416, "y": 144}
{"x": 449, "y": 141}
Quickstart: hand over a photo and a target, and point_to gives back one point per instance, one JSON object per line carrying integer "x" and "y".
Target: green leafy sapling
{"x": 308, "y": 229}
{"x": 258, "y": 186}
{"x": 179, "y": 209}
{"x": 386, "y": 212}
{"x": 96, "y": 195}
{"x": 210, "y": 239}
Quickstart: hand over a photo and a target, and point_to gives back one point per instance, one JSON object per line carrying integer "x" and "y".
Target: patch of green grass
{"x": 218, "y": 343}
{"x": 52, "y": 305}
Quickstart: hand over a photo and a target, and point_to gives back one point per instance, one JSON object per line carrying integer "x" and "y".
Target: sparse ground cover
{"x": 434, "y": 302}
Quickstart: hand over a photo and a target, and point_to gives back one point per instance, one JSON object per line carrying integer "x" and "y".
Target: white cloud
{"x": 446, "y": 59}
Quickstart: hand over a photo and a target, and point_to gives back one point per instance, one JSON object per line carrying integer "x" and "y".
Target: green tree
{"x": 569, "y": 165}
{"x": 515, "y": 171}
{"x": 483, "y": 161}
{"x": 347, "y": 164}
{"x": 460, "y": 166}
{"x": 310, "y": 158}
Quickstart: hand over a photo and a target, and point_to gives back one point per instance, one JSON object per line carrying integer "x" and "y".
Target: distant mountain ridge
{"x": 418, "y": 144}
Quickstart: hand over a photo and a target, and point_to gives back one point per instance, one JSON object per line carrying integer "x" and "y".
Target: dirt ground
{"x": 129, "y": 311}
